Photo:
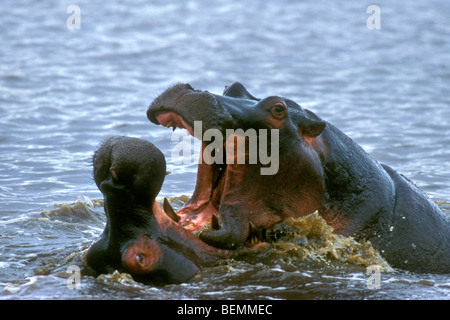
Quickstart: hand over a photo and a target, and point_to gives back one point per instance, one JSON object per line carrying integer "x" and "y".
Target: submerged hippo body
{"x": 320, "y": 168}
{"x": 139, "y": 238}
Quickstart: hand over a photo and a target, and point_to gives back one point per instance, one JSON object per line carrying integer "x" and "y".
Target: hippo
{"x": 139, "y": 238}
{"x": 319, "y": 168}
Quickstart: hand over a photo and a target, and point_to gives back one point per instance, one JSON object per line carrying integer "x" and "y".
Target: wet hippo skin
{"x": 320, "y": 168}
{"x": 139, "y": 237}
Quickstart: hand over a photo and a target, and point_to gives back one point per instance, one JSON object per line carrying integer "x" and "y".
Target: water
{"x": 63, "y": 91}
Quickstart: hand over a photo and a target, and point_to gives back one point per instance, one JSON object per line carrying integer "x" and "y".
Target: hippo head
{"x": 139, "y": 238}
{"x": 251, "y": 149}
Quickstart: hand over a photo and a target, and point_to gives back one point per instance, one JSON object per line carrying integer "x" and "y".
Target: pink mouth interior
{"x": 205, "y": 200}
{"x": 173, "y": 120}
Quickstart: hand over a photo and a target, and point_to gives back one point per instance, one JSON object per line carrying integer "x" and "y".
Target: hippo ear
{"x": 237, "y": 90}
{"x": 311, "y": 128}
{"x": 113, "y": 172}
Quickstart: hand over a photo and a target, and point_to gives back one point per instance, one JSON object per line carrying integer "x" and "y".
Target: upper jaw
{"x": 180, "y": 106}
{"x": 167, "y": 101}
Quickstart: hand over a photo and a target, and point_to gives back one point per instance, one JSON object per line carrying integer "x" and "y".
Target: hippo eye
{"x": 278, "y": 110}
{"x": 140, "y": 259}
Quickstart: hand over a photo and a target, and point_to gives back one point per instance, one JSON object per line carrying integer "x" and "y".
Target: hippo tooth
{"x": 255, "y": 234}
{"x": 169, "y": 124}
{"x": 169, "y": 211}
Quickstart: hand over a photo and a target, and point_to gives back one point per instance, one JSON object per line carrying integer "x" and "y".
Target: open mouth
{"x": 172, "y": 120}
{"x": 201, "y": 210}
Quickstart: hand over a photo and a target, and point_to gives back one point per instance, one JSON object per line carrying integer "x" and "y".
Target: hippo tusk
{"x": 169, "y": 211}
{"x": 255, "y": 234}
{"x": 215, "y": 222}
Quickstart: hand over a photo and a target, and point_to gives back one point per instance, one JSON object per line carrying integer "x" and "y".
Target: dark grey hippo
{"x": 319, "y": 168}
{"x": 139, "y": 237}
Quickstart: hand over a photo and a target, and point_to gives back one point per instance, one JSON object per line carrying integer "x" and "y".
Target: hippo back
{"x": 417, "y": 237}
